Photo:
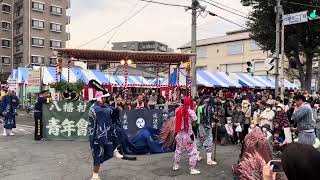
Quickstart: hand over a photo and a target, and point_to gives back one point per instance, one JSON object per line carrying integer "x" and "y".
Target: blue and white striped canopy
{"x": 204, "y": 78}
{"x": 132, "y": 80}
{"x": 156, "y": 81}
{"x": 49, "y": 75}
{"x": 246, "y": 80}
{"x": 262, "y": 82}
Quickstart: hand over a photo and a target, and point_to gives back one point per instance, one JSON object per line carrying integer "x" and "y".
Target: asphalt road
{"x": 22, "y": 158}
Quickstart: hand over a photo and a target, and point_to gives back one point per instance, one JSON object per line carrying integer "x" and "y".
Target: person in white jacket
{"x": 267, "y": 116}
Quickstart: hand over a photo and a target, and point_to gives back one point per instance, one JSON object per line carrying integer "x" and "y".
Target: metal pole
{"x": 41, "y": 78}
{"x": 278, "y": 11}
{"x": 282, "y": 62}
{"x": 215, "y": 142}
{"x": 194, "y": 48}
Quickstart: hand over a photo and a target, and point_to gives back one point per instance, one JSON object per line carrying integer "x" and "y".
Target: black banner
{"x": 134, "y": 120}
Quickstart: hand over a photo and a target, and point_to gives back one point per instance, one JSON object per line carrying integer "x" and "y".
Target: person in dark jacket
{"x": 44, "y": 97}
{"x": 238, "y": 120}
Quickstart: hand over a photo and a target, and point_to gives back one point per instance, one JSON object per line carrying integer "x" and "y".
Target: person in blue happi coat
{"x": 8, "y": 108}
{"x": 104, "y": 137}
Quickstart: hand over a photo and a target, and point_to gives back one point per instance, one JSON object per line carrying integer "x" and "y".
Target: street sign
{"x": 295, "y": 18}
{"x": 34, "y": 78}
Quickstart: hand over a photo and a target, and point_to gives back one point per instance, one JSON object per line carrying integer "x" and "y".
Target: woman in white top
{"x": 267, "y": 116}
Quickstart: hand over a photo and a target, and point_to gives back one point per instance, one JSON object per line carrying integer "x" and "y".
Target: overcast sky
{"x": 170, "y": 25}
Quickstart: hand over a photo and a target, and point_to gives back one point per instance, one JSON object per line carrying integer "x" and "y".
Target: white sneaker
{"x": 11, "y": 133}
{"x": 117, "y": 154}
{"x": 194, "y": 171}
{"x": 210, "y": 162}
{"x": 209, "y": 159}
{"x": 176, "y": 167}
{"x": 4, "y": 132}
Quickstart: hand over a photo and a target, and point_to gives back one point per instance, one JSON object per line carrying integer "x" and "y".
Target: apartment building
{"x": 229, "y": 53}
{"x": 30, "y": 29}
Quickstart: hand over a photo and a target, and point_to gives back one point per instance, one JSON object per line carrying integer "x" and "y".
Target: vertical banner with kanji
{"x": 64, "y": 120}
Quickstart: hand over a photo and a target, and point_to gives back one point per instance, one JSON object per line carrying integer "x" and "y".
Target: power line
{"x": 166, "y": 4}
{"x": 123, "y": 22}
{"x": 226, "y": 10}
{"x": 115, "y": 32}
{"x": 231, "y": 21}
{"x": 207, "y": 11}
{"x": 228, "y": 7}
{"x": 214, "y": 14}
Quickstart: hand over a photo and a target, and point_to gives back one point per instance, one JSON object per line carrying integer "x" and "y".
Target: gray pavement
{"x": 21, "y": 158}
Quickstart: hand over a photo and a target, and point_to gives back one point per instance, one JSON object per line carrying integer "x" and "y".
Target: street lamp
{"x": 127, "y": 61}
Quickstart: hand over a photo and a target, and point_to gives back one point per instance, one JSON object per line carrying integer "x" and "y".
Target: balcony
{"x": 18, "y": 49}
{"x": 68, "y": 36}
{"x": 68, "y": 4}
{"x": 18, "y": 31}
{"x": 68, "y": 20}
{"x": 18, "y": 14}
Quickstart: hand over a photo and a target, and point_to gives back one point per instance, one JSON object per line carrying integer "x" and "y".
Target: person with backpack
{"x": 205, "y": 115}
{"x": 8, "y": 107}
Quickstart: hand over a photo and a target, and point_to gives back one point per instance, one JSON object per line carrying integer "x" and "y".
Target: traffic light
{"x": 250, "y": 68}
{"x": 313, "y": 14}
{"x": 269, "y": 64}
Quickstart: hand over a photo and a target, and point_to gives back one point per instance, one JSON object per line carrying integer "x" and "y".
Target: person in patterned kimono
{"x": 99, "y": 130}
{"x": 8, "y": 107}
{"x": 184, "y": 135}
{"x": 104, "y": 136}
{"x": 205, "y": 115}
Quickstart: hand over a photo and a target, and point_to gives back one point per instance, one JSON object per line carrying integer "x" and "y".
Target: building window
{"x": 55, "y": 27}
{"x": 38, "y": 6}
{"x": 55, "y": 44}
{"x": 56, "y": 10}
{"x": 6, "y": 8}
{"x": 5, "y": 60}
{"x": 37, "y": 24}
{"x": 104, "y": 66}
{"x": 38, "y": 42}
{"x": 37, "y": 59}
{"x": 52, "y": 60}
{"x": 5, "y": 43}
{"x": 235, "y": 49}
{"x": 254, "y": 46}
{"x": 93, "y": 66}
{"x": 6, "y": 26}
{"x": 202, "y": 52}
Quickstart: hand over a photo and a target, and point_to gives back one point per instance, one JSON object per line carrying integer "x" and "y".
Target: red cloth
{"x": 182, "y": 112}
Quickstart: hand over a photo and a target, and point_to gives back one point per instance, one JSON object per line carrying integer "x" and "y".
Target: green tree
{"x": 301, "y": 40}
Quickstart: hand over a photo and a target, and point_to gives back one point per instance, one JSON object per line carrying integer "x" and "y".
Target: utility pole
{"x": 194, "y": 6}
{"x": 278, "y": 10}
{"x": 282, "y": 61}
